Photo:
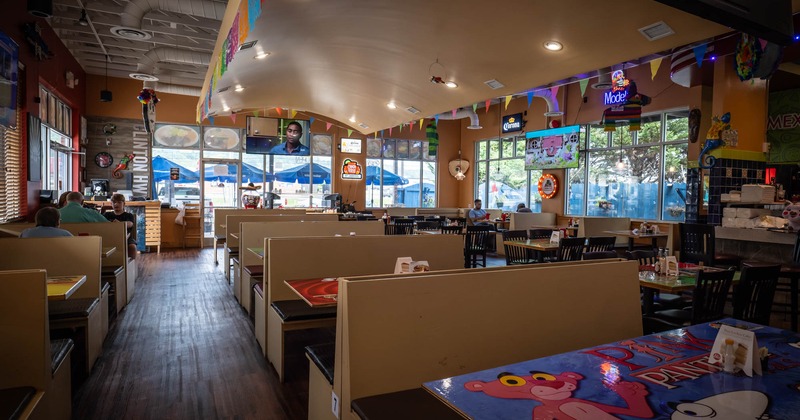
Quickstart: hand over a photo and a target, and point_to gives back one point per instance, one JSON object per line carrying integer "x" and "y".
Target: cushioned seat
{"x": 14, "y": 400}
{"x": 112, "y": 271}
{"x": 259, "y": 288}
{"x": 72, "y": 308}
{"x": 323, "y": 355}
{"x": 254, "y": 270}
{"x": 233, "y": 251}
{"x": 234, "y": 259}
{"x": 414, "y": 403}
{"x": 298, "y": 310}
{"x": 59, "y": 349}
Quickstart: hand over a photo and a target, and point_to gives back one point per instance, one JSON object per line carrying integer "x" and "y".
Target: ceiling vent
{"x": 412, "y": 110}
{"x": 143, "y": 77}
{"x": 130, "y": 33}
{"x": 494, "y": 84}
{"x": 223, "y": 89}
{"x": 362, "y": 125}
{"x": 603, "y": 79}
{"x": 656, "y": 31}
{"x": 247, "y": 45}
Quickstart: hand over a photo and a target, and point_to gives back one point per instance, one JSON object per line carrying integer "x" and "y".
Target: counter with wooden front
{"x": 152, "y": 218}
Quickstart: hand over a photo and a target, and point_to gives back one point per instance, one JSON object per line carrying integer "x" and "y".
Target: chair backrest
{"x": 415, "y": 217}
{"x": 752, "y": 297}
{"x": 400, "y": 229}
{"x": 461, "y": 221}
{"x": 404, "y": 221}
{"x": 710, "y": 293}
{"x": 796, "y": 251}
{"x": 432, "y": 225}
{"x": 645, "y": 257}
{"x": 697, "y": 243}
{"x": 570, "y": 249}
{"x": 599, "y": 255}
{"x": 540, "y": 233}
{"x": 515, "y": 254}
{"x": 600, "y": 243}
{"x": 452, "y": 230}
{"x": 476, "y": 240}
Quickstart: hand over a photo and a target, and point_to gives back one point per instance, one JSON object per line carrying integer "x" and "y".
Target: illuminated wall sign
{"x": 351, "y": 169}
{"x": 351, "y": 145}
{"x": 512, "y": 123}
{"x": 619, "y": 89}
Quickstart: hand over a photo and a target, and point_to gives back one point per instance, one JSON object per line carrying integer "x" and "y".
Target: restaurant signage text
{"x": 512, "y": 123}
{"x": 351, "y": 169}
{"x": 619, "y": 89}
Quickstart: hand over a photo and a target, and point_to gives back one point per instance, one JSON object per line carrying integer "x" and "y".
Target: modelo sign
{"x": 619, "y": 89}
{"x": 512, "y": 123}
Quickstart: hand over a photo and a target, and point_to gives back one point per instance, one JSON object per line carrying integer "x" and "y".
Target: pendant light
{"x": 105, "y": 95}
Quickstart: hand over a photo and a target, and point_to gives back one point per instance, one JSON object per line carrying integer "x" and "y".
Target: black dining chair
{"x": 599, "y": 255}
{"x": 460, "y": 221}
{"x": 452, "y": 230}
{"x": 698, "y": 245}
{"x": 710, "y": 295}
{"x": 475, "y": 246}
{"x": 664, "y": 300}
{"x": 540, "y": 233}
{"x": 398, "y": 229}
{"x": 753, "y": 295}
{"x": 570, "y": 249}
{"x": 516, "y": 254}
{"x": 417, "y": 218}
{"x": 600, "y": 243}
{"x": 432, "y": 225}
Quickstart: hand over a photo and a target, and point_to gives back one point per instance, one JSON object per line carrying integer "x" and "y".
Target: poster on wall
{"x": 553, "y": 148}
{"x": 9, "y": 71}
{"x": 783, "y": 127}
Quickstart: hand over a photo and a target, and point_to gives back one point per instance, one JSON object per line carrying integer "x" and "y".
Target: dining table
{"x": 62, "y": 287}
{"x": 666, "y": 375}
{"x": 632, "y": 237}
{"x": 316, "y": 292}
{"x": 686, "y": 280}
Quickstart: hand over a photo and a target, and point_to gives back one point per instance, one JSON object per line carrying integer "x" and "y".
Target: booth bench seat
{"x": 293, "y": 315}
{"x": 115, "y": 276}
{"x": 253, "y": 274}
{"x": 320, "y": 380}
{"x": 79, "y": 319}
{"x": 14, "y": 401}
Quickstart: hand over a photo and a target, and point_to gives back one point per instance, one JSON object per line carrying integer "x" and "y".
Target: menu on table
{"x": 666, "y": 375}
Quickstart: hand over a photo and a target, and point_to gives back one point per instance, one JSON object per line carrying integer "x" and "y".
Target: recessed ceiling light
{"x": 225, "y": 108}
{"x": 553, "y": 45}
{"x": 353, "y": 119}
{"x": 391, "y": 105}
{"x": 262, "y": 55}
{"x": 451, "y": 84}
{"x": 239, "y": 88}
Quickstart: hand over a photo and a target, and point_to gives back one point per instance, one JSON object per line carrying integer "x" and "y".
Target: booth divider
{"x": 407, "y": 327}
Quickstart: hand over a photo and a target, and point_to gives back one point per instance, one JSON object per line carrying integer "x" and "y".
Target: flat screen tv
{"x": 553, "y": 148}
{"x": 277, "y": 136}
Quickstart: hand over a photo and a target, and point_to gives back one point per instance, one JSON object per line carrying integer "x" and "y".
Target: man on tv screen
{"x": 292, "y": 146}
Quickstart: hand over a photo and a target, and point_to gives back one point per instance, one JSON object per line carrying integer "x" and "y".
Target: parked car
{"x": 183, "y": 195}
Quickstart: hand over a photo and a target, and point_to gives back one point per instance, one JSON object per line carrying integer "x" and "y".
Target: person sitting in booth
{"x": 118, "y": 214}
{"x": 521, "y": 208}
{"x": 48, "y": 220}
{"x": 292, "y": 146}
{"x": 477, "y": 215}
{"x": 74, "y": 212}
{"x": 62, "y": 199}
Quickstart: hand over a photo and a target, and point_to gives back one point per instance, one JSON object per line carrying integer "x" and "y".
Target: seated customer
{"x": 62, "y": 199}
{"x": 74, "y": 212}
{"x": 118, "y": 214}
{"x": 522, "y": 209}
{"x": 48, "y": 219}
{"x": 477, "y": 215}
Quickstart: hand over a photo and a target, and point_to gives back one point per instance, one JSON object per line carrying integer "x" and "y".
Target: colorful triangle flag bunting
{"x": 279, "y": 111}
{"x": 486, "y": 104}
{"x": 328, "y": 126}
{"x": 349, "y": 132}
{"x": 763, "y": 43}
{"x": 211, "y": 120}
{"x": 454, "y": 113}
{"x": 554, "y": 92}
{"x": 421, "y": 121}
{"x": 654, "y": 65}
{"x": 255, "y": 113}
{"x": 310, "y": 120}
{"x": 508, "y": 99}
{"x": 583, "y": 83}
{"x": 233, "y": 117}
{"x": 474, "y": 108}
{"x": 410, "y": 127}
{"x": 530, "y": 98}
{"x": 292, "y": 113}
{"x": 699, "y": 53}
{"x": 437, "y": 120}
{"x": 390, "y": 131}
{"x": 401, "y": 128}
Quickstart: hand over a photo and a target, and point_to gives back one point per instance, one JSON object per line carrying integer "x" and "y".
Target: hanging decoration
{"x": 433, "y": 139}
{"x": 530, "y": 98}
{"x": 700, "y": 53}
{"x": 147, "y": 97}
{"x": 122, "y": 165}
{"x": 714, "y": 140}
{"x": 583, "y": 84}
{"x": 748, "y": 52}
{"x": 694, "y": 125}
{"x": 654, "y": 66}
{"x": 630, "y": 110}
{"x": 548, "y": 186}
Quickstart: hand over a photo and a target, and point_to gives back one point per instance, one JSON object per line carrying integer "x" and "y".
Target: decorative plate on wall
{"x": 103, "y": 159}
{"x": 109, "y": 129}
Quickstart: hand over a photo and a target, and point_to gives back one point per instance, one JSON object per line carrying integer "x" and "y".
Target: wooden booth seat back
{"x": 305, "y": 258}
{"x": 414, "y": 329}
{"x": 221, "y": 213}
{"x": 438, "y": 211}
{"x": 59, "y": 256}
{"x": 596, "y": 226}
{"x": 525, "y": 221}
{"x": 113, "y": 234}
{"x": 12, "y": 230}
{"x": 401, "y": 211}
{"x": 233, "y": 222}
{"x": 24, "y": 328}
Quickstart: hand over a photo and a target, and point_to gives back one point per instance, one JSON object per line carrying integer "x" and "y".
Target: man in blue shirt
{"x": 48, "y": 220}
{"x": 477, "y": 215}
{"x": 74, "y": 212}
{"x": 294, "y": 131}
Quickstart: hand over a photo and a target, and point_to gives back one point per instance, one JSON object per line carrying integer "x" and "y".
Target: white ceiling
{"x": 349, "y": 58}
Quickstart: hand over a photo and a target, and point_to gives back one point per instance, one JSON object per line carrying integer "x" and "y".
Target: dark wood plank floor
{"x": 184, "y": 349}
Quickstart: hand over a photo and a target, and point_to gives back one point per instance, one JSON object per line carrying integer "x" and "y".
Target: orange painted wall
{"x": 746, "y": 101}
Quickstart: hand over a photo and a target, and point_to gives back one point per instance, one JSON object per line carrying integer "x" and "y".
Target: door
{"x": 220, "y": 189}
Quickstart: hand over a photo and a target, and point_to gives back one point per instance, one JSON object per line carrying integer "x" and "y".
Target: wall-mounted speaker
{"x": 105, "y": 96}
{"x": 40, "y": 8}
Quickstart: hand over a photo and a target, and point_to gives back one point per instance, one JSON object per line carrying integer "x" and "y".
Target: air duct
{"x": 174, "y": 89}
{"x": 135, "y": 11}
{"x": 603, "y": 79}
{"x": 474, "y": 123}
{"x": 145, "y": 69}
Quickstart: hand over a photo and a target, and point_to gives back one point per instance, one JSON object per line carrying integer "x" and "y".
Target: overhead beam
{"x": 103, "y": 7}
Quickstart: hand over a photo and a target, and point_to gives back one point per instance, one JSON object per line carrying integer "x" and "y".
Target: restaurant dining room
{"x": 272, "y": 209}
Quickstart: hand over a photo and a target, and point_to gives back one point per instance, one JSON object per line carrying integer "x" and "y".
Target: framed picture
{"x": 84, "y": 134}
{"x": 321, "y": 144}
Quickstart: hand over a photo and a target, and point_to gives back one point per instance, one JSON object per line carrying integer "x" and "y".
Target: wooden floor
{"x": 184, "y": 349}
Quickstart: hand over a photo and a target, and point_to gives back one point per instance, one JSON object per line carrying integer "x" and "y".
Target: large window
{"x": 640, "y": 174}
{"x": 10, "y": 168}
{"x": 501, "y": 179}
{"x": 400, "y": 173}
{"x": 56, "y": 139}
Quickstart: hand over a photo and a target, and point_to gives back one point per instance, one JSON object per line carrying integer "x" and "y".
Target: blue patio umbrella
{"x": 303, "y": 173}
{"x": 249, "y": 174}
{"x": 161, "y": 169}
{"x": 374, "y": 177}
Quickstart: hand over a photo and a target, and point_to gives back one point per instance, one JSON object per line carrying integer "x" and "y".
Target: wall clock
{"x": 103, "y": 159}
{"x": 109, "y": 129}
